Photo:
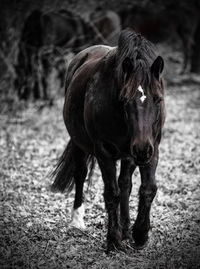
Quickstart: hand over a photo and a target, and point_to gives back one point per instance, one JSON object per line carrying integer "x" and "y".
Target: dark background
{"x": 174, "y": 24}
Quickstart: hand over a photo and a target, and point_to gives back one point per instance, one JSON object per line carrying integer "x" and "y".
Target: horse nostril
{"x": 149, "y": 151}
{"x": 142, "y": 153}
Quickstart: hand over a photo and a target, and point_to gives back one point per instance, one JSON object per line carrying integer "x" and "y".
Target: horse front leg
{"x": 111, "y": 196}
{"x": 125, "y": 185}
{"x": 147, "y": 193}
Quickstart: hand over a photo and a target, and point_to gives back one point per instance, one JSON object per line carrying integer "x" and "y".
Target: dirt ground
{"x": 34, "y": 221}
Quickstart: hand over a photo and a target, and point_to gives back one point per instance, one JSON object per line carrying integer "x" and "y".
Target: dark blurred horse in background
{"x": 46, "y": 38}
{"x": 108, "y": 24}
{"x": 170, "y": 21}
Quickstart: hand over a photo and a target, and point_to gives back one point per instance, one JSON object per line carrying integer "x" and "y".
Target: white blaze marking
{"x": 143, "y": 97}
{"x": 77, "y": 218}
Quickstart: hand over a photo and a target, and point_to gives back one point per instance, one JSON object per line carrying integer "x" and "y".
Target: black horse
{"x": 114, "y": 110}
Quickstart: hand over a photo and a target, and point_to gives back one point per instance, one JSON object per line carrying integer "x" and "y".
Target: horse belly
{"x": 73, "y": 117}
{"x": 74, "y": 112}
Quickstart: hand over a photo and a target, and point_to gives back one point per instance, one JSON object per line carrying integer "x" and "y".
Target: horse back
{"x": 85, "y": 57}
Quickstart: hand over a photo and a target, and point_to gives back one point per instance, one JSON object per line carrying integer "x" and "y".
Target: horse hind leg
{"x": 72, "y": 168}
{"x": 80, "y": 173}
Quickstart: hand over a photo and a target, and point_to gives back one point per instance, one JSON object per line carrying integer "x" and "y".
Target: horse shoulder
{"x": 103, "y": 113}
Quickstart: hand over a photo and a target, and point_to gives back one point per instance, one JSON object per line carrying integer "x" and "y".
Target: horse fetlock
{"x": 114, "y": 239}
{"x": 126, "y": 233}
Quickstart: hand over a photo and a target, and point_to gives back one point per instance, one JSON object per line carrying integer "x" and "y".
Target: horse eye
{"x": 157, "y": 99}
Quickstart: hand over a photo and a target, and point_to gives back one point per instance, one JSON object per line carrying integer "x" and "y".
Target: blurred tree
{"x": 182, "y": 15}
{"x": 195, "y": 60}
{"x": 166, "y": 20}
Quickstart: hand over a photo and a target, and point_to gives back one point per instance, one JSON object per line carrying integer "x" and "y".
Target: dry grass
{"x": 33, "y": 221}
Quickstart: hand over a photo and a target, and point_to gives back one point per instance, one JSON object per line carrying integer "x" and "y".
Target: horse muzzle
{"x": 142, "y": 154}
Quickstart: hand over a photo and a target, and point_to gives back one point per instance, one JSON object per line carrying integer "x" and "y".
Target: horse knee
{"x": 124, "y": 183}
{"x": 147, "y": 193}
{"x": 111, "y": 200}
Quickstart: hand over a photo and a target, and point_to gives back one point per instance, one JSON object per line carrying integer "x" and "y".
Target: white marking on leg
{"x": 77, "y": 218}
{"x": 143, "y": 97}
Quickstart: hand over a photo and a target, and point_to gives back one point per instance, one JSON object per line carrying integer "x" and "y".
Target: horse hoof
{"x": 139, "y": 246}
{"x": 78, "y": 225}
{"x": 114, "y": 247}
{"x": 140, "y": 238}
{"x": 114, "y": 243}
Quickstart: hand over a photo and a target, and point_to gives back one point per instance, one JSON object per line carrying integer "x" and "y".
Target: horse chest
{"x": 105, "y": 121}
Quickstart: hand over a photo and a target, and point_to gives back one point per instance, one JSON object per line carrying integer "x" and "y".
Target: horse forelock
{"x": 141, "y": 53}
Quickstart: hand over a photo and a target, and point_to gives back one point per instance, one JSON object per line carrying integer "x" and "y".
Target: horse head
{"x": 142, "y": 93}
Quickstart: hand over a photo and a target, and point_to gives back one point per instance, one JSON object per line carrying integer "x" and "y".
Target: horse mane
{"x": 141, "y": 53}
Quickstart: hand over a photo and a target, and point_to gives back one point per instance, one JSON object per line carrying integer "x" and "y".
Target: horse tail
{"x": 65, "y": 169}
{"x": 63, "y": 173}
{"x": 32, "y": 30}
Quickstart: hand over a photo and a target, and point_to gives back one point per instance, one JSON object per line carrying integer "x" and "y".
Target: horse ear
{"x": 157, "y": 67}
{"x": 127, "y": 68}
